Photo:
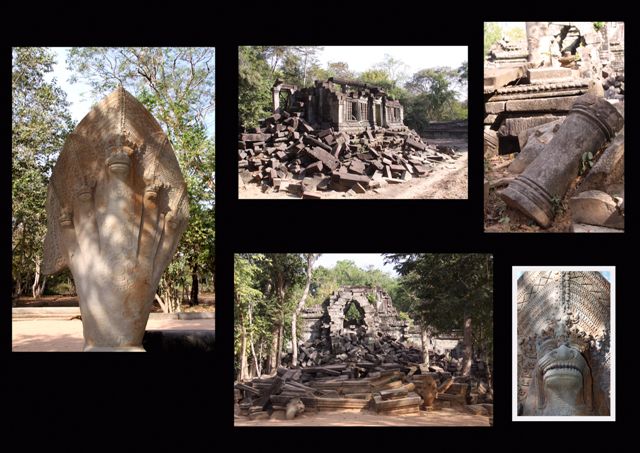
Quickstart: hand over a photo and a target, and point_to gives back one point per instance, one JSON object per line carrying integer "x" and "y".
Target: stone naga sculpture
{"x": 117, "y": 206}
{"x": 563, "y": 344}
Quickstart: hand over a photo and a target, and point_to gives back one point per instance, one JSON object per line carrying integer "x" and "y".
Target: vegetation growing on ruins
{"x": 442, "y": 292}
{"x": 428, "y": 95}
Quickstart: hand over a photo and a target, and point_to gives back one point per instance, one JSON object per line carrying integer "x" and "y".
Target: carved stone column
{"x": 591, "y": 122}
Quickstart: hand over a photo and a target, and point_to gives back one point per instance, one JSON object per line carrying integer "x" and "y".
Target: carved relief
{"x": 116, "y": 209}
{"x": 563, "y": 343}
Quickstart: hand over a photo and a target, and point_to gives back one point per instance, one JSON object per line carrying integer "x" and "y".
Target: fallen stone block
{"x": 594, "y": 207}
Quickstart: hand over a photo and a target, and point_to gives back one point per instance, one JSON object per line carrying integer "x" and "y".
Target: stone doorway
{"x": 353, "y": 315}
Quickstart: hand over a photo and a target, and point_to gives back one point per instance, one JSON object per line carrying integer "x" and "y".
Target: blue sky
{"x": 79, "y": 94}
{"x": 362, "y": 260}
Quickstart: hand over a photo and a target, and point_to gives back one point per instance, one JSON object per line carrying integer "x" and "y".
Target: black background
{"x": 120, "y": 401}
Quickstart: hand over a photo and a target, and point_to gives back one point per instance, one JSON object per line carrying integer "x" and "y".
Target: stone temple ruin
{"x": 542, "y": 98}
{"x": 339, "y": 135}
{"x": 377, "y": 315}
{"x": 563, "y": 334}
{"x": 367, "y": 363}
{"x": 330, "y": 104}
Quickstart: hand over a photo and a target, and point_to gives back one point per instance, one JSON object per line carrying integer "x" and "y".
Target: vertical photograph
{"x": 363, "y": 339}
{"x": 564, "y": 343}
{"x": 554, "y": 127}
{"x": 113, "y": 182}
{"x": 352, "y": 122}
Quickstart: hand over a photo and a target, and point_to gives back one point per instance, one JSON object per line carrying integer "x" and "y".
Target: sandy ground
{"x": 448, "y": 180}
{"x": 62, "y": 335}
{"x": 440, "y": 417}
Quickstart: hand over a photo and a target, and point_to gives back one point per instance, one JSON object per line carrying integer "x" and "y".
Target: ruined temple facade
{"x": 563, "y": 335}
{"x": 377, "y": 315}
{"x": 528, "y": 84}
{"x": 344, "y": 105}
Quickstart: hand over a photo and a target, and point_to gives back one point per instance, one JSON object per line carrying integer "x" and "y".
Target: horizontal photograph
{"x": 363, "y": 339}
{"x": 345, "y": 122}
{"x": 554, "y": 127}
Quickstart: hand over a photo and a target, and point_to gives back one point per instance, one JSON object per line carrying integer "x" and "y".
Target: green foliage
{"x": 254, "y": 85}
{"x": 586, "y": 162}
{"x": 598, "y": 25}
{"x": 352, "y": 314}
{"x": 444, "y": 286}
{"x": 492, "y": 34}
{"x": 177, "y": 85}
{"x": 515, "y": 34}
{"x": 40, "y": 123}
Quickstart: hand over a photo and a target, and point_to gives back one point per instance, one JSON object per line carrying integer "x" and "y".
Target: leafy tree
{"x": 394, "y": 69}
{"x": 177, "y": 85}
{"x": 246, "y": 296}
{"x": 40, "y": 123}
{"x": 254, "y": 83}
{"x": 492, "y": 34}
{"x": 452, "y": 291}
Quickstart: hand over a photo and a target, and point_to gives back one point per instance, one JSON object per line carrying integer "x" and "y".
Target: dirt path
{"x": 446, "y": 180}
{"x": 440, "y": 417}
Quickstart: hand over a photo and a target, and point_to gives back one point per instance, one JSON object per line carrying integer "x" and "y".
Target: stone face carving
{"x": 117, "y": 206}
{"x": 591, "y": 122}
{"x": 563, "y": 344}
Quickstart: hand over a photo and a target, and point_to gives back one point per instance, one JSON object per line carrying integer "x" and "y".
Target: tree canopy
{"x": 40, "y": 124}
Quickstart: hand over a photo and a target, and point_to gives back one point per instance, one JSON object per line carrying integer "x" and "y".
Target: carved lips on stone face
{"x": 562, "y": 365}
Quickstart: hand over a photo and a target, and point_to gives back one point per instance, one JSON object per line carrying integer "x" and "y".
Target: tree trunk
{"x": 468, "y": 346}
{"x": 194, "y": 285}
{"x": 36, "y": 278}
{"x": 273, "y": 353}
{"x": 163, "y": 305}
{"x": 243, "y": 350}
{"x": 280, "y": 340}
{"x": 251, "y": 342}
{"x": 424, "y": 335}
{"x": 294, "y": 334}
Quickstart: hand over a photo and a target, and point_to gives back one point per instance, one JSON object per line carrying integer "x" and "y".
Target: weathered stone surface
{"x": 494, "y": 107}
{"x": 490, "y": 119}
{"x": 557, "y": 104}
{"x": 545, "y": 75}
{"x": 532, "y": 143}
{"x": 584, "y": 228}
{"x": 497, "y": 77}
{"x": 323, "y": 156}
{"x": 590, "y": 124}
{"x": 594, "y": 207}
{"x": 563, "y": 337}
{"x": 609, "y": 169}
{"x": 117, "y": 206}
{"x": 515, "y": 126}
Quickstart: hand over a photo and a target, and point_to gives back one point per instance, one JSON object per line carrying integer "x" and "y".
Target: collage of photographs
{"x": 128, "y": 235}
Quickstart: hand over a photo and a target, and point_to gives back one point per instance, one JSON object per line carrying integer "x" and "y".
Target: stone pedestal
{"x": 591, "y": 122}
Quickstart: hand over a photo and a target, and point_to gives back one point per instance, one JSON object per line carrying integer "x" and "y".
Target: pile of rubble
{"x": 330, "y": 388}
{"x": 382, "y": 353}
{"x": 287, "y": 153}
{"x": 384, "y": 376}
